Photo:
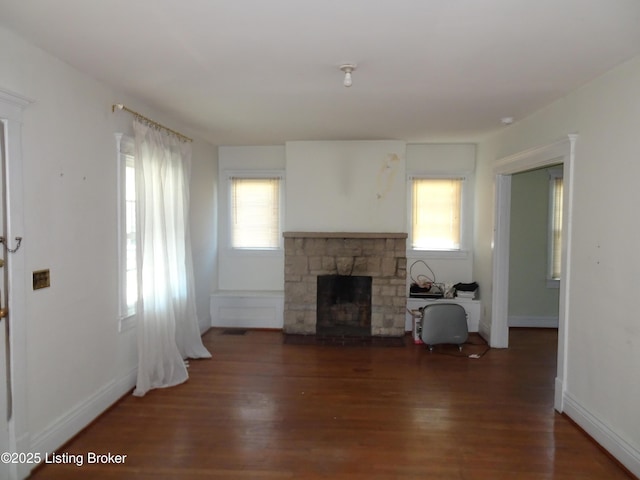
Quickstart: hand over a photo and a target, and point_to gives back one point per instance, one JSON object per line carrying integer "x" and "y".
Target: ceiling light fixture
{"x": 347, "y": 68}
{"x": 506, "y": 120}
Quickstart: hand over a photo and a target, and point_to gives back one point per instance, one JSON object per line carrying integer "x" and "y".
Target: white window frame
{"x": 125, "y": 150}
{"x": 554, "y": 173}
{"x": 465, "y": 216}
{"x": 258, "y": 174}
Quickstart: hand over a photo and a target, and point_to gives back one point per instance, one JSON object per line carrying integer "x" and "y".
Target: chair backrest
{"x": 443, "y": 311}
{"x": 444, "y": 323}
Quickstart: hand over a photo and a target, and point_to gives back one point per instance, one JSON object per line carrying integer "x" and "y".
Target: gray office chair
{"x": 444, "y": 323}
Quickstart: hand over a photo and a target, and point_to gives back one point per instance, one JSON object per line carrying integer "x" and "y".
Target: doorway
{"x": 561, "y": 152}
{"x": 534, "y": 248}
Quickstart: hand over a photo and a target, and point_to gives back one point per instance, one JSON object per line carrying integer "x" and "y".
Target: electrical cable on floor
{"x": 462, "y": 354}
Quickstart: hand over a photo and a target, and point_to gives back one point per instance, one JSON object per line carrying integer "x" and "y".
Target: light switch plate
{"x": 41, "y": 279}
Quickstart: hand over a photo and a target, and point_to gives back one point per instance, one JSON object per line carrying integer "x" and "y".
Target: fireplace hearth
{"x": 312, "y": 258}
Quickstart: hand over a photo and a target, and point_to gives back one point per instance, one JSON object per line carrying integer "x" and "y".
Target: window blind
{"x": 436, "y": 213}
{"x": 255, "y": 213}
{"x": 556, "y": 228}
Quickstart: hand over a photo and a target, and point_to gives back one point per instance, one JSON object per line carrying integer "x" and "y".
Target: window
{"x": 555, "y": 223}
{"x": 255, "y": 212}
{"x": 127, "y": 228}
{"x": 436, "y": 213}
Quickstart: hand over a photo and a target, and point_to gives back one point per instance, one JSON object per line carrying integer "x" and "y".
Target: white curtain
{"x": 168, "y": 330}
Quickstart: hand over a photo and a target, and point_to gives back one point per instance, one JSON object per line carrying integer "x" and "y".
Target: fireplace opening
{"x": 344, "y": 305}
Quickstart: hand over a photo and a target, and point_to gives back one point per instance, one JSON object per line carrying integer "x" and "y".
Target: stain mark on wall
{"x": 387, "y": 175}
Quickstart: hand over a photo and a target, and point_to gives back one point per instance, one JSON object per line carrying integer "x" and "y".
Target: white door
{"x": 5, "y": 387}
{"x": 14, "y": 436}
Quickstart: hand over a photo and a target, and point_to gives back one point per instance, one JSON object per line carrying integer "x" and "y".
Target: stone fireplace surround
{"x": 379, "y": 255}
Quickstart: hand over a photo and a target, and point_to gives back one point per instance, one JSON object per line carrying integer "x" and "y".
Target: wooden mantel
{"x": 344, "y": 235}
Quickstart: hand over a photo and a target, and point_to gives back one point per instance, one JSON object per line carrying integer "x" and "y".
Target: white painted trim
{"x": 567, "y": 233}
{"x": 125, "y": 146}
{"x": 558, "y": 392}
{"x": 439, "y": 254}
{"x": 530, "y": 321}
{"x": 127, "y": 323}
{"x": 74, "y": 420}
{"x": 484, "y": 329}
{"x": 553, "y": 283}
{"x": 617, "y": 446}
{"x": 499, "y": 334}
{"x": 561, "y": 151}
{"x": 536, "y": 157}
{"x": 247, "y": 309}
{"x": 12, "y": 106}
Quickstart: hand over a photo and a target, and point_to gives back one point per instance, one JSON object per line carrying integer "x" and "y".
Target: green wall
{"x": 529, "y": 295}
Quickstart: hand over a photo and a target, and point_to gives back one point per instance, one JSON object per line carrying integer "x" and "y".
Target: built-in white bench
{"x": 247, "y": 309}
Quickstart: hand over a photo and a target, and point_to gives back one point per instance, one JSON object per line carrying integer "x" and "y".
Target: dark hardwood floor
{"x": 261, "y": 409}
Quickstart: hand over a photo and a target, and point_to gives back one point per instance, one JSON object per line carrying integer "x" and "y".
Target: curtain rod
{"x": 119, "y": 106}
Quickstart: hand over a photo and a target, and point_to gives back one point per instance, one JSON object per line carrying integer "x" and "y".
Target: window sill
{"x": 126, "y": 323}
{"x": 553, "y": 283}
{"x": 248, "y": 252}
{"x": 453, "y": 254}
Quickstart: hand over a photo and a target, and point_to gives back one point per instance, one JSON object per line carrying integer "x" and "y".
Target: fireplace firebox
{"x": 344, "y": 305}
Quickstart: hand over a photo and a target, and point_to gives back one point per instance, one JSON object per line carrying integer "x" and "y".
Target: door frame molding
{"x": 12, "y": 106}
{"x": 561, "y": 151}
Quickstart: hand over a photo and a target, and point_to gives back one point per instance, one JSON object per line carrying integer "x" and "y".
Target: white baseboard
{"x": 22, "y": 470}
{"x": 247, "y": 309}
{"x": 558, "y": 396}
{"x": 484, "y": 329}
{"x": 531, "y": 321}
{"x": 77, "y": 418}
{"x": 129, "y": 323}
{"x": 623, "y": 451}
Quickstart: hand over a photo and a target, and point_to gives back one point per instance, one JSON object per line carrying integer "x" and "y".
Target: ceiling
{"x": 256, "y": 72}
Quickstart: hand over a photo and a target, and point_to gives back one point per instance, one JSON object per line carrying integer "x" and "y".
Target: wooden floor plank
{"x": 260, "y": 409}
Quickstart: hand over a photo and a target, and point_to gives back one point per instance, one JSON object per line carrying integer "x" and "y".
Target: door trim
{"x": 12, "y": 106}
{"x": 562, "y": 151}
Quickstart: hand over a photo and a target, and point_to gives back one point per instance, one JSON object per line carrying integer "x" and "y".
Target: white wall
{"x": 602, "y": 388}
{"x": 76, "y": 358}
{"x": 321, "y": 179}
{"x": 349, "y": 186}
{"x": 441, "y": 158}
{"x": 445, "y": 159}
{"x": 204, "y": 227}
{"x": 342, "y": 186}
{"x": 246, "y": 271}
